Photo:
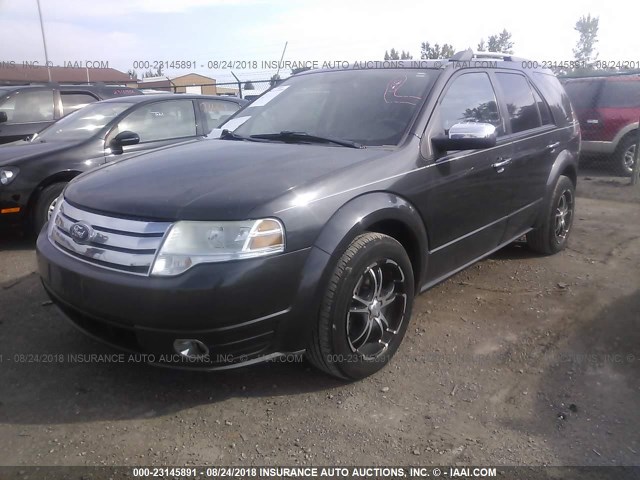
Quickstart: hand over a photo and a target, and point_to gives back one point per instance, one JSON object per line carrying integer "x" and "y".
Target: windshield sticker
{"x": 234, "y": 123}
{"x": 267, "y": 97}
{"x": 392, "y": 95}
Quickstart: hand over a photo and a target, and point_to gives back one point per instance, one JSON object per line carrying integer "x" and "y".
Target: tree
{"x": 151, "y": 73}
{"x": 585, "y": 51}
{"x": 500, "y": 43}
{"x": 133, "y": 75}
{"x": 392, "y": 55}
{"x": 436, "y": 51}
{"x": 275, "y": 79}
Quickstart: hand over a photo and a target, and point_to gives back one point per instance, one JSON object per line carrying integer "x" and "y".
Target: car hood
{"x": 15, "y": 153}
{"x": 213, "y": 180}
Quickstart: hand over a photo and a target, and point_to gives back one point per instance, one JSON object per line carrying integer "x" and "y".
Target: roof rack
{"x": 468, "y": 55}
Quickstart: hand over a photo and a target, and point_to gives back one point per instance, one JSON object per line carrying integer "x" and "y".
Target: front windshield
{"x": 83, "y": 123}
{"x": 370, "y": 107}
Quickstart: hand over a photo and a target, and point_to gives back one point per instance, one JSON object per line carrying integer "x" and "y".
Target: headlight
{"x": 8, "y": 174}
{"x": 190, "y": 243}
{"x": 54, "y": 216}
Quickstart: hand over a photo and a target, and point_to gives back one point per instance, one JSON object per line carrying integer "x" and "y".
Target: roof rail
{"x": 468, "y": 55}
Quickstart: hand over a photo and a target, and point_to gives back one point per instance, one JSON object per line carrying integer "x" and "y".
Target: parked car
{"x": 27, "y": 109}
{"x": 608, "y": 109}
{"x": 338, "y": 196}
{"x": 33, "y": 173}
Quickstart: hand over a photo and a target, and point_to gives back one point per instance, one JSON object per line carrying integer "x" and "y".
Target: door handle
{"x": 553, "y": 146}
{"x": 501, "y": 163}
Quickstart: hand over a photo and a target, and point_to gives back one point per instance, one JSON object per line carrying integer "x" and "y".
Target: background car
{"x": 33, "y": 173}
{"x": 27, "y": 109}
{"x": 608, "y": 109}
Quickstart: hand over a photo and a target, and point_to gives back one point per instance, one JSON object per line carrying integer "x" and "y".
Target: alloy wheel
{"x": 377, "y": 309}
{"x": 564, "y": 213}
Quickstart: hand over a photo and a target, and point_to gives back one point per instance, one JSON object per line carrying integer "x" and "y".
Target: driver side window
{"x": 470, "y": 98}
{"x": 159, "y": 121}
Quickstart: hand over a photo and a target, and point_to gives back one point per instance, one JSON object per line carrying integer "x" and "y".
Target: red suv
{"x": 608, "y": 109}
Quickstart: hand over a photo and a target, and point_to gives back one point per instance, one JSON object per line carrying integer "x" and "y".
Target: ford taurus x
{"x": 324, "y": 207}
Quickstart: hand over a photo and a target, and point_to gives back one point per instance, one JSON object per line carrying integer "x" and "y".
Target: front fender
{"x": 378, "y": 209}
{"x": 372, "y": 211}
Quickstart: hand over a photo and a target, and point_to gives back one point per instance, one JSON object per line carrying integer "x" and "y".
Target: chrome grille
{"x": 109, "y": 242}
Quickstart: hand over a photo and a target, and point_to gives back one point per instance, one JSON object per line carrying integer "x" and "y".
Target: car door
{"x": 157, "y": 124}
{"x": 465, "y": 201}
{"x": 28, "y": 111}
{"x": 535, "y": 144}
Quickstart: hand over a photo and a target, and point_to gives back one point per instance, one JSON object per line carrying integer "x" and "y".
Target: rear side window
{"x": 29, "y": 107}
{"x": 73, "y": 101}
{"x": 583, "y": 92}
{"x": 216, "y": 112}
{"x": 521, "y": 106}
{"x": 620, "y": 93}
{"x": 470, "y": 98}
{"x": 555, "y": 96}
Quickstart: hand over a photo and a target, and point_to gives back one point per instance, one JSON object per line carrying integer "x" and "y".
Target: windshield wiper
{"x": 305, "y": 137}
{"x": 229, "y": 135}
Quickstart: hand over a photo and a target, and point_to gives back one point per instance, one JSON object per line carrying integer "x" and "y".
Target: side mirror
{"x": 467, "y": 136}
{"x": 3, "y": 117}
{"x": 124, "y": 139}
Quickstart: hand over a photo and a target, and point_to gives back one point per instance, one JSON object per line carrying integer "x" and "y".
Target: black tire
{"x": 334, "y": 347}
{"x": 45, "y": 200}
{"x": 622, "y": 163}
{"x": 547, "y": 239}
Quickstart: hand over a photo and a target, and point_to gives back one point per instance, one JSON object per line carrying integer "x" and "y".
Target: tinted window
{"x": 543, "y": 108}
{"x": 160, "y": 121}
{"x": 620, "y": 93}
{"x": 555, "y": 96}
{"x": 29, "y": 106}
{"x": 470, "y": 98}
{"x": 216, "y": 112}
{"x": 371, "y": 107}
{"x": 583, "y": 92}
{"x": 521, "y": 106}
{"x": 74, "y": 101}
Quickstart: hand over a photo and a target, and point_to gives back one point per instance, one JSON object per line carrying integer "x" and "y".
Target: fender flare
{"x": 565, "y": 163}
{"x": 371, "y": 209}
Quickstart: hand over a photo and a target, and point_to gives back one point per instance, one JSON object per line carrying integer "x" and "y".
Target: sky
{"x": 122, "y": 32}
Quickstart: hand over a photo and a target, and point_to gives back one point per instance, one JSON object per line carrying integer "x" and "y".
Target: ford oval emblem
{"x": 81, "y": 232}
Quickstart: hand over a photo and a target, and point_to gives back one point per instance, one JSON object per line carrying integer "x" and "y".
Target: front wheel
{"x": 45, "y": 205}
{"x": 365, "y": 310}
{"x": 552, "y": 236}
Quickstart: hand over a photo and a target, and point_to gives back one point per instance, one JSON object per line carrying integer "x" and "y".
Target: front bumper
{"x": 242, "y": 311}
{"x": 10, "y": 200}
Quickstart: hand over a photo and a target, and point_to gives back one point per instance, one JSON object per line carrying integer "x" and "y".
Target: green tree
{"x": 427, "y": 51}
{"x": 499, "y": 43}
{"x": 391, "y": 55}
{"x": 133, "y": 75}
{"x": 585, "y": 50}
{"x": 406, "y": 56}
{"x": 275, "y": 79}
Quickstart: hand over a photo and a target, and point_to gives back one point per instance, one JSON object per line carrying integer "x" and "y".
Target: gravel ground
{"x": 519, "y": 360}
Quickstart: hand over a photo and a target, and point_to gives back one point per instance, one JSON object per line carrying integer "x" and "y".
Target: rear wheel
{"x": 552, "y": 236}
{"x": 624, "y": 156}
{"x": 365, "y": 310}
{"x": 45, "y": 205}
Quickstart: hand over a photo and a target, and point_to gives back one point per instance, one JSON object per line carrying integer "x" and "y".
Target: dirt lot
{"x": 518, "y": 360}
